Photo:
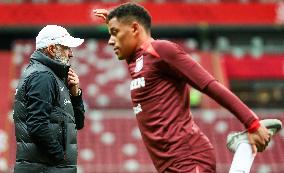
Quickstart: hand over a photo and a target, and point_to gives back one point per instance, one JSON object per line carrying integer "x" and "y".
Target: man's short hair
{"x": 129, "y": 12}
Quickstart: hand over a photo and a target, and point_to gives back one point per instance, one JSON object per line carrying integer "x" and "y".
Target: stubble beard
{"x": 60, "y": 58}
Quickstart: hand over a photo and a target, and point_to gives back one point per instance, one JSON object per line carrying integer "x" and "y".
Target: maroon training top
{"x": 160, "y": 72}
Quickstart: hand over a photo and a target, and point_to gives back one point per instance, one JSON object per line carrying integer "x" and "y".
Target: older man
{"x": 48, "y": 108}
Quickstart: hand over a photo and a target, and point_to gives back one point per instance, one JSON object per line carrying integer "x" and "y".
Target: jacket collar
{"x": 59, "y": 69}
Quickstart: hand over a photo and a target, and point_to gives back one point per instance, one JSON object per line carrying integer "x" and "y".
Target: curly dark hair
{"x": 129, "y": 12}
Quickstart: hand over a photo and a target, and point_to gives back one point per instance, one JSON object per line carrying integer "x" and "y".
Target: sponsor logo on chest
{"x": 139, "y": 64}
{"x": 137, "y": 83}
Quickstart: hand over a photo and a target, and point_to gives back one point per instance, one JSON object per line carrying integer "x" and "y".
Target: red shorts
{"x": 198, "y": 158}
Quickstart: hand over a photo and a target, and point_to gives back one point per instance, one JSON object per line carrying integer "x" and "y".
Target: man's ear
{"x": 135, "y": 28}
{"x": 51, "y": 50}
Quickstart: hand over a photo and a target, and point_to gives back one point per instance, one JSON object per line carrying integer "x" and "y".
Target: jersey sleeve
{"x": 200, "y": 79}
{"x": 181, "y": 62}
{"x": 231, "y": 102}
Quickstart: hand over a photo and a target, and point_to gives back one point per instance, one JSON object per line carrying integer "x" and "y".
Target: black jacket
{"x": 46, "y": 118}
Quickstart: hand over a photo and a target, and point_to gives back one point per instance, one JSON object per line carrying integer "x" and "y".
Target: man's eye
{"x": 114, "y": 32}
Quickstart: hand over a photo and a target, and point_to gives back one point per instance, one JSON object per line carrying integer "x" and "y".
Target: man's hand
{"x": 102, "y": 13}
{"x": 259, "y": 139}
{"x": 73, "y": 82}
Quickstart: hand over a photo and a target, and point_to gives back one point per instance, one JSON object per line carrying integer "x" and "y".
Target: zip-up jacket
{"x": 46, "y": 118}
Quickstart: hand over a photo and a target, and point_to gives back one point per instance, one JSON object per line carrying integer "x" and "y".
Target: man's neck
{"x": 144, "y": 39}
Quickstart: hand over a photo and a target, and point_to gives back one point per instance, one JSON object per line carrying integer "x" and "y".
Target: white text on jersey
{"x": 137, "y": 83}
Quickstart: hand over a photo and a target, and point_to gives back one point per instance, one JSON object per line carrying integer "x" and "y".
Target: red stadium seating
{"x": 111, "y": 141}
{"x": 254, "y": 67}
{"x": 104, "y": 80}
{"x": 140, "y": 1}
{"x": 115, "y": 140}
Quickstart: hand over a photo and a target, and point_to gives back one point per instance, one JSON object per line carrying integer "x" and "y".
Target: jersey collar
{"x": 148, "y": 47}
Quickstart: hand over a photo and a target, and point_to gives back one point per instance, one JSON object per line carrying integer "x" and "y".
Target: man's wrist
{"x": 79, "y": 92}
{"x": 75, "y": 92}
{"x": 254, "y": 126}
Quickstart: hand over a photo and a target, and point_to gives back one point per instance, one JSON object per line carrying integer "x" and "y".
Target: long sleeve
{"x": 227, "y": 99}
{"x": 79, "y": 110}
{"x": 41, "y": 92}
{"x": 199, "y": 78}
{"x": 183, "y": 65}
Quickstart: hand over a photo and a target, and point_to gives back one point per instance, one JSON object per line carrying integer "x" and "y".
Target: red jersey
{"x": 160, "y": 72}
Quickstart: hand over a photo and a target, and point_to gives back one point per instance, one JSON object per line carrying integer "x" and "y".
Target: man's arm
{"x": 76, "y": 98}
{"x": 40, "y": 96}
{"x": 199, "y": 78}
{"x": 79, "y": 110}
{"x": 258, "y": 135}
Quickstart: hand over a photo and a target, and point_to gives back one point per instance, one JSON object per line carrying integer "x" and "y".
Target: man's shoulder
{"x": 164, "y": 47}
{"x": 37, "y": 69}
{"x": 162, "y": 43}
{"x": 42, "y": 74}
{"x": 43, "y": 77}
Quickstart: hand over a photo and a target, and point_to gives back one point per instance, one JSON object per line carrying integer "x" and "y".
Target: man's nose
{"x": 111, "y": 41}
{"x": 70, "y": 53}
